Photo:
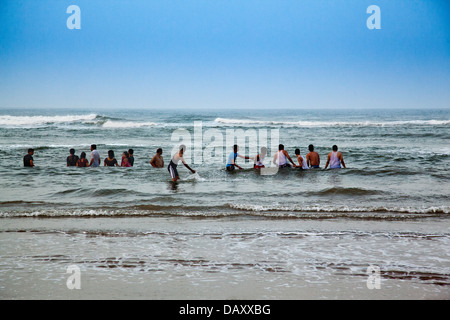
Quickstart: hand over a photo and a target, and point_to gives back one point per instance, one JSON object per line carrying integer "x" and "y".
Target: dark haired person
{"x": 335, "y": 159}
{"x": 157, "y": 160}
{"x": 110, "y": 161}
{"x": 95, "y": 157}
{"x": 131, "y": 157}
{"x": 72, "y": 159}
{"x": 28, "y": 158}
{"x": 172, "y": 167}
{"x": 231, "y": 163}
{"x": 125, "y": 160}
{"x": 301, "y": 161}
{"x": 259, "y": 159}
{"x": 82, "y": 162}
{"x": 281, "y": 158}
{"x": 312, "y": 158}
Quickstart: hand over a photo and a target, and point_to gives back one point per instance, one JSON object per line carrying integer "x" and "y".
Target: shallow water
{"x": 295, "y": 234}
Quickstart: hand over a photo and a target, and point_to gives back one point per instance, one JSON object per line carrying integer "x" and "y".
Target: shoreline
{"x": 174, "y": 258}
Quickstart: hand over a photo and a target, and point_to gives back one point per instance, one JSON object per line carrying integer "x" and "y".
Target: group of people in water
{"x": 281, "y": 159}
{"x": 110, "y": 161}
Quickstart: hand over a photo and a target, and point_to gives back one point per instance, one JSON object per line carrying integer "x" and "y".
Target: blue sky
{"x": 224, "y": 54}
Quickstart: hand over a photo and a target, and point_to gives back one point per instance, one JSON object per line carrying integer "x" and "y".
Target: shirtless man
{"x": 335, "y": 159}
{"x": 281, "y": 158}
{"x": 157, "y": 160}
{"x": 312, "y": 158}
{"x": 172, "y": 168}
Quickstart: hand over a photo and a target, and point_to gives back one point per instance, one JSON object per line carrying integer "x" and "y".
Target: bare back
{"x": 313, "y": 158}
{"x": 158, "y": 161}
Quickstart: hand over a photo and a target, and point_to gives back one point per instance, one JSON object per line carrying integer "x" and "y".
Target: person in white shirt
{"x": 281, "y": 158}
{"x": 95, "y": 157}
{"x": 259, "y": 159}
{"x": 172, "y": 167}
{"x": 301, "y": 161}
{"x": 335, "y": 159}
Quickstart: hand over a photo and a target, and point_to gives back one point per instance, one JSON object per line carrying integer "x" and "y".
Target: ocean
{"x": 378, "y": 229}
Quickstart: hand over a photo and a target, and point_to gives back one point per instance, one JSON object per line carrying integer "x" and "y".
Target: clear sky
{"x": 225, "y": 54}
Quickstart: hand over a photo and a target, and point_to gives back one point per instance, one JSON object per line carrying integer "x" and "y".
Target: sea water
{"x": 133, "y": 233}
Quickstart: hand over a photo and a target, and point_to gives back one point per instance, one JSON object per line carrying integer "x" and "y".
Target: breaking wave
{"x": 20, "y": 121}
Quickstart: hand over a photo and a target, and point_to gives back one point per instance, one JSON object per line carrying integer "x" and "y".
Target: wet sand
{"x": 199, "y": 259}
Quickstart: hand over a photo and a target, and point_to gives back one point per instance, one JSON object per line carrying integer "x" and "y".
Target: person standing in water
{"x": 28, "y": 159}
{"x": 231, "y": 163}
{"x": 335, "y": 159}
{"x": 72, "y": 159}
{"x": 110, "y": 161}
{"x": 259, "y": 159}
{"x": 312, "y": 158}
{"x": 95, "y": 157}
{"x": 82, "y": 162}
{"x": 131, "y": 157}
{"x": 125, "y": 160}
{"x": 301, "y": 161}
{"x": 172, "y": 167}
{"x": 281, "y": 158}
{"x": 157, "y": 160}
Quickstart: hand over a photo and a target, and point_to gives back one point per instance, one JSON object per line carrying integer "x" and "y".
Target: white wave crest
{"x": 330, "y": 123}
{"x": 300, "y": 208}
{"x": 7, "y": 120}
{"x": 127, "y": 124}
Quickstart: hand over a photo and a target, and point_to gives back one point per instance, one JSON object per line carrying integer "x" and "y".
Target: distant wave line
{"x": 7, "y": 120}
{"x": 127, "y": 124}
{"x": 330, "y": 123}
{"x": 93, "y": 119}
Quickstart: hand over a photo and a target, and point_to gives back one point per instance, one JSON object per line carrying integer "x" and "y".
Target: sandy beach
{"x": 184, "y": 258}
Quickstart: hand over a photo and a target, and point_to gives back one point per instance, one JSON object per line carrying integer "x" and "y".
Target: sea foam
{"x": 7, "y": 120}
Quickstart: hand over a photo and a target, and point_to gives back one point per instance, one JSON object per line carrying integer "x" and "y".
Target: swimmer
{"x": 95, "y": 157}
{"x": 231, "y": 163}
{"x": 110, "y": 161}
{"x": 131, "y": 157}
{"x": 301, "y": 161}
{"x": 335, "y": 159}
{"x": 28, "y": 159}
{"x": 82, "y": 162}
{"x": 312, "y": 158}
{"x": 125, "y": 160}
{"x": 281, "y": 158}
{"x": 72, "y": 159}
{"x": 157, "y": 160}
{"x": 259, "y": 159}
